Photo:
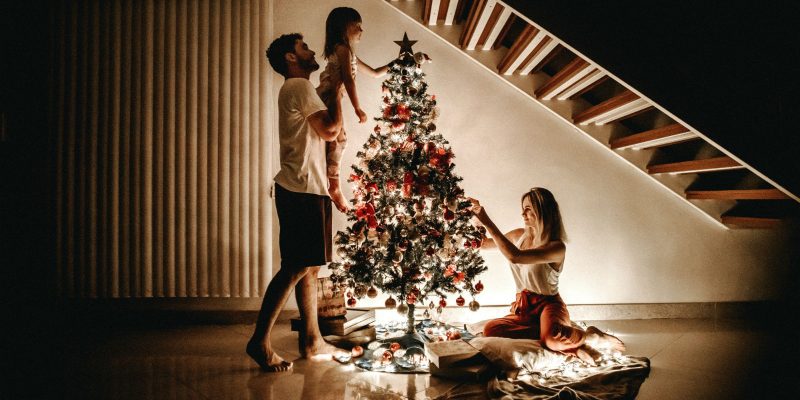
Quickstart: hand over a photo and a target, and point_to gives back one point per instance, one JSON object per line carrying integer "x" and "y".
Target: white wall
{"x": 631, "y": 240}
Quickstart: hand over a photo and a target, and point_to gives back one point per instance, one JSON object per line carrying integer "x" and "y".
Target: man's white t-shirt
{"x": 302, "y": 150}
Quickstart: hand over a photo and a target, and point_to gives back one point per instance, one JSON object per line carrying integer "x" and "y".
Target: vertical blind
{"x": 161, "y": 112}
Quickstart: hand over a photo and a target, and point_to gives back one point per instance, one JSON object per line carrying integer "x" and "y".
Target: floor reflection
{"x": 208, "y": 362}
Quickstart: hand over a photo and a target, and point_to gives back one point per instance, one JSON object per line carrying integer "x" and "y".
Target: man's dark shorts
{"x": 305, "y": 228}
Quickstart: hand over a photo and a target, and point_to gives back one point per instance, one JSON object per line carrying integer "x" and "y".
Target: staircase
{"x": 712, "y": 180}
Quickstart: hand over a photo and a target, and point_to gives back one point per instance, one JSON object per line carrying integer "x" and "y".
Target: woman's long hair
{"x": 546, "y": 209}
{"x": 336, "y": 28}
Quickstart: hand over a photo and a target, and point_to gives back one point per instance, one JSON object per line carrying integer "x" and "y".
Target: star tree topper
{"x": 405, "y": 45}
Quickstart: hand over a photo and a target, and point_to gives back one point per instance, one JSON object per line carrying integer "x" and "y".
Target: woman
{"x": 536, "y": 258}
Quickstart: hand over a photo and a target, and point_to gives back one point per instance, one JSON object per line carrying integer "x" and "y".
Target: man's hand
{"x": 362, "y": 116}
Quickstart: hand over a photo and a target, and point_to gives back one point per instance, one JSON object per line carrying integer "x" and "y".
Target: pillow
{"x": 514, "y": 354}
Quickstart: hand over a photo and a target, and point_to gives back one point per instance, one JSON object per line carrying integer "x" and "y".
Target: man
{"x": 302, "y": 201}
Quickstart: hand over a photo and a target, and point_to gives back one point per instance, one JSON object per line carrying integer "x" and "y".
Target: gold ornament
{"x": 474, "y": 306}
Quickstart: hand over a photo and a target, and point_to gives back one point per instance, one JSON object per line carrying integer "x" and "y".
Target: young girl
{"x": 342, "y": 33}
{"x": 536, "y": 258}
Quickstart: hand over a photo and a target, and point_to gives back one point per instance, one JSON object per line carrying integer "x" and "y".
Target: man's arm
{"x": 328, "y": 123}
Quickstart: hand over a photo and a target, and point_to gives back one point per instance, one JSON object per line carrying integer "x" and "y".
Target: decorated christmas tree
{"x": 410, "y": 234}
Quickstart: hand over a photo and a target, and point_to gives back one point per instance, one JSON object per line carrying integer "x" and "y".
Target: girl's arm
{"x": 375, "y": 73}
{"x": 344, "y": 56}
{"x": 551, "y": 252}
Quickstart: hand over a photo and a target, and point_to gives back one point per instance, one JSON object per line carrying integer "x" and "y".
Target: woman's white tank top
{"x": 538, "y": 278}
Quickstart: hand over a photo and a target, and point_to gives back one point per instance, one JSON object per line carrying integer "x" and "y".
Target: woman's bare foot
{"x": 588, "y": 355}
{"x": 267, "y": 360}
{"x": 337, "y": 198}
{"x": 320, "y": 350}
{"x": 603, "y": 341}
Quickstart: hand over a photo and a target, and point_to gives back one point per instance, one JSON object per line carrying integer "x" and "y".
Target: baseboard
{"x": 163, "y": 311}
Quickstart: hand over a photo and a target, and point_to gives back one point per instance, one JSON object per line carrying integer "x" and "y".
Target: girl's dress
{"x": 326, "y": 91}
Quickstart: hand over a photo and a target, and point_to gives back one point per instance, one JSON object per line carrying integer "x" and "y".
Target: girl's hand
{"x": 362, "y": 116}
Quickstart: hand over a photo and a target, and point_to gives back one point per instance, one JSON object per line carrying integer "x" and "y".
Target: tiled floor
{"x": 690, "y": 359}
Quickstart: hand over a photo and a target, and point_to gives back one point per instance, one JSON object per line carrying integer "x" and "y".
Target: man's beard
{"x": 310, "y": 65}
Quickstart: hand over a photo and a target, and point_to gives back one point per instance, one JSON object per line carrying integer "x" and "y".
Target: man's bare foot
{"x": 267, "y": 360}
{"x": 320, "y": 350}
{"x": 337, "y": 198}
{"x": 603, "y": 341}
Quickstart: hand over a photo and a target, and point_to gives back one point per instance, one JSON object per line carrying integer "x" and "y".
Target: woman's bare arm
{"x": 488, "y": 243}
{"x": 551, "y": 252}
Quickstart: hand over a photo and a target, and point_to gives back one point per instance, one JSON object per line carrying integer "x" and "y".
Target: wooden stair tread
{"x": 750, "y": 222}
{"x": 622, "y": 105}
{"x": 563, "y": 79}
{"x": 737, "y": 194}
{"x": 695, "y": 166}
{"x": 665, "y": 135}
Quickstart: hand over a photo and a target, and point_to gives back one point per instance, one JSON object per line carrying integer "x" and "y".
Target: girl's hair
{"x": 546, "y": 209}
{"x": 336, "y": 28}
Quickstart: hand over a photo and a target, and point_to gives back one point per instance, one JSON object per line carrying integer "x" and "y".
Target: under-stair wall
{"x": 631, "y": 239}
{"x": 653, "y": 139}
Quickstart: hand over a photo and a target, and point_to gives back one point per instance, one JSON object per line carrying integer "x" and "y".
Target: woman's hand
{"x": 478, "y": 210}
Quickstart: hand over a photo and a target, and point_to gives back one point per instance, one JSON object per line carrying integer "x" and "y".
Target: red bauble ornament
{"x": 403, "y": 112}
{"x": 390, "y": 302}
{"x": 442, "y": 303}
{"x": 423, "y": 190}
{"x": 372, "y": 292}
{"x": 351, "y": 302}
{"x": 394, "y": 346}
{"x": 479, "y": 287}
{"x": 372, "y": 222}
{"x": 357, "y": 351}
{"x": 460, "y": 301}
{"x": 349, "y": 295}
{"x": 387, "y": 355}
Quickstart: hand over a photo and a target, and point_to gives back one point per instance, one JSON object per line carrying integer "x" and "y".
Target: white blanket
{"x": 533, "y": 372}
